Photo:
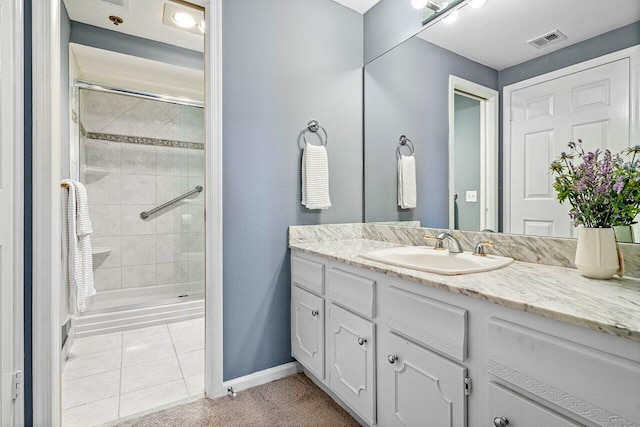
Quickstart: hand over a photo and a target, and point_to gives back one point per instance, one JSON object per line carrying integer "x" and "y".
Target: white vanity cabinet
{"x": 351, "y": 360}
{"x": 399, "y": 353}
{"x": 420, "y": 388}
{"x": 307, "y": 330}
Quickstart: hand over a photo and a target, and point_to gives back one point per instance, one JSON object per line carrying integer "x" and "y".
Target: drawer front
{"x": 435, "y": 324}
{"x": 307, "y": 330}
{"x": 307, "y": 274}
{"x": 352, "y": 291}
{"x": 599, "y": 387}
{"x": 351, "y": 354}
{"x": 419, "y": 387}
{"x": 521, "y": 412}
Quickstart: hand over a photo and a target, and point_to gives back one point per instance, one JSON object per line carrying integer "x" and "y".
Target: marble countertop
{"x": 611, "y": 306}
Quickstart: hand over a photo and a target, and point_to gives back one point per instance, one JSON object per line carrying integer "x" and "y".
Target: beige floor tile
{"x": 90, "y": 389}
{"x": 149, "y": 374}
{"x": 96, "y": 344}
{"x": 192, "y": 363}
{"x": 195, "y": 384}
{"x": 152, "y": 397}
{"x": 91, "y": 364}
{"x": 91, "y": 414}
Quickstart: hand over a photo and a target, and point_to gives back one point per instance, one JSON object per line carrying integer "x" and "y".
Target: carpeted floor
{"x": 292, "y": 401}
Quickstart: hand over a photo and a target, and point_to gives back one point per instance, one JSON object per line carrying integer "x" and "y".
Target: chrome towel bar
{"x": 313, "y": 126}
{"x": 145, "y": 215}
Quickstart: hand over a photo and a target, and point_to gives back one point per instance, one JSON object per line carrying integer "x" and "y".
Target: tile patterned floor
{"x": 111, "y": 376}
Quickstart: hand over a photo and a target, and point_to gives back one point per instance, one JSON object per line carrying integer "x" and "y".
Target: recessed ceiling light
{"x": 451, "y": 18}
{"x": 183, "y": 19}
{"x": 477, "y": 3}
{"x": 419, "y": 4}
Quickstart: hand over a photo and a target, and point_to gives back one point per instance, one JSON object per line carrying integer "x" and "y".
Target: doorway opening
{"x": 473, "y": 156}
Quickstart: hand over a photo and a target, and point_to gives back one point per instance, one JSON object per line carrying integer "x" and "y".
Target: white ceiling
{"x": 142, "y": 18}
{"x": 360, "y": 6}
{"x": 496, "y": 34}
{"x": 130, "y": 72}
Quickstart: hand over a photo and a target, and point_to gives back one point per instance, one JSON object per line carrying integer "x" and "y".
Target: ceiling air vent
{"x": 548, "y": 39}
{"x": 117, "y": 3}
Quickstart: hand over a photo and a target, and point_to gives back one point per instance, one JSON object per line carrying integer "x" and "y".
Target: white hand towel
{"x": 407, "y": 182}
{"x": 315, "y": 177}
{"x": 79, "y": 259}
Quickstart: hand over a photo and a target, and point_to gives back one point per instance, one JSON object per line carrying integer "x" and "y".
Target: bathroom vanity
{"x": 524, "y": 345}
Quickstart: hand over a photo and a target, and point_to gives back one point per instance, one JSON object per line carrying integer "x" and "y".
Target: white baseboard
{"x": 263, "y": 377}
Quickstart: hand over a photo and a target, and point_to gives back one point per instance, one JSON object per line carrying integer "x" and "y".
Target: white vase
{"x": 597, "y": 253}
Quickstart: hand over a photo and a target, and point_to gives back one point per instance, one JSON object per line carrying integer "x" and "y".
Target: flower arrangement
{"x": 603, "y": 189}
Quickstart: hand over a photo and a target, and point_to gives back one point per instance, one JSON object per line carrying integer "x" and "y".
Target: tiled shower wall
{"x": 137, "y": 154}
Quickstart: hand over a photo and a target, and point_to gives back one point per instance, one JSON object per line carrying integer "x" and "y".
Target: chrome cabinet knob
{"x": 361, "y": 340}
{"x": 392, "y": 358}
{"x": 314, "y": 313}
{"x": 500, "y": 421}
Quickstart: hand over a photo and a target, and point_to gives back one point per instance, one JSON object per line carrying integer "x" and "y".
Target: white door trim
{"x": 46, "y": 212}
{"x": 633, "y": 53}
{"x": 46, "y": 209}
{"x": 13, "y": 129}
{"x": 488, "y": 150}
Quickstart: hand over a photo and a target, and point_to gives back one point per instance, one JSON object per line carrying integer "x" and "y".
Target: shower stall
{"x": 141, "y": 158}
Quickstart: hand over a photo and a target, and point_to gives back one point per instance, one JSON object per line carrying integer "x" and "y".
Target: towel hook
{"x": 404, "y": 142}
{"x": 313, "y": 126}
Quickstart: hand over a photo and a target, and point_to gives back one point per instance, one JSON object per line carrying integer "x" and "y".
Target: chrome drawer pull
{"x": 500, "y": 421}
{"x": 315, "y": 313}
{"x": 361, "y": 340}
{"x": 392, "y": 358}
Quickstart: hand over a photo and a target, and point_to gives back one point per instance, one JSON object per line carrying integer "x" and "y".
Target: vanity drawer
{"x": 352, "y": 291}
{"x": 307, "y": 274}
{"x": 520, "y": 411}
{"x": 597, "y": 386}
{"x": 437, "y": 325}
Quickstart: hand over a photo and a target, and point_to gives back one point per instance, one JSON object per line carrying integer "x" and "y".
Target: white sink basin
{"x": 425, "y": 258}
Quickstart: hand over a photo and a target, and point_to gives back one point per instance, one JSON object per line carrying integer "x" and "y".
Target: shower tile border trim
{"x": 141, "y": 140}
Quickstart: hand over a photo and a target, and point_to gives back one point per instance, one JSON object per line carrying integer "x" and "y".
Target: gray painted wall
{"x": 467, "y": 160}
{"x": 136, "y": 46}
{"x": 387, "y": 24}
{"x": 407, "y": 93}
{"x": 285, "y": 62}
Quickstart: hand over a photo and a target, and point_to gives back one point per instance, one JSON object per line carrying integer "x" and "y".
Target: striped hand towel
{"x": 315, "y": 177}
{"x": 407, "y": 182}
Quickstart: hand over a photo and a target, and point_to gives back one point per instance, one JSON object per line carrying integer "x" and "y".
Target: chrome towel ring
{"x": 405, "y": 142}
{"x": 313, "y": 126}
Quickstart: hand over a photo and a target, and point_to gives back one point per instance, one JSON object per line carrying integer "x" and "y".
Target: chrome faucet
{"x": 452, "y": 241}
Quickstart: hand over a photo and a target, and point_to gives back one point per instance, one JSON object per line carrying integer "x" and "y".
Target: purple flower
{"x": 619, "y": 186}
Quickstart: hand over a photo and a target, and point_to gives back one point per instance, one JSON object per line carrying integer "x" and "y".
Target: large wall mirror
{"x": 489, "y": 95}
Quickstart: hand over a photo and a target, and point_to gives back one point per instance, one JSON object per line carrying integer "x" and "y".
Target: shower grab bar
{"x": 145, "y": 215}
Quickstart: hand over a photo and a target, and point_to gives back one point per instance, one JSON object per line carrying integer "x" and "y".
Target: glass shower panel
{"x": 136, "y": 154}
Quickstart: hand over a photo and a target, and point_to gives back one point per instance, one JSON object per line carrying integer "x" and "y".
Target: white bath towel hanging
{"x": 407, "y": 182}
{"x": 315, "y": 177}
{"x": 76, "y": 248}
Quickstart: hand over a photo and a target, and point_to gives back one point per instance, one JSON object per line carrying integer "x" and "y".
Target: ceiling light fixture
{"x": 183, "y": 19}
{"x": 419, "y": 4}
{"x": 477, "y": 3}
{"x": 451, "y": 18}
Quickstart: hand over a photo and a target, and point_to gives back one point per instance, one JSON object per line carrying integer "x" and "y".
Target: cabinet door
{"x": 508, "y": 407}
{"x": 420, "y": 388}
{"x": 352, "y": 361}
{"x": 307, "y": 331}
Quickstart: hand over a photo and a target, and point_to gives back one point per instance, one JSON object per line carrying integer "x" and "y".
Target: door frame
{"x": 633, "y": 53}
{"x": 46, "y": 209}
{"x": 489, "y": 111}
{"x": 13, "y": 293}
